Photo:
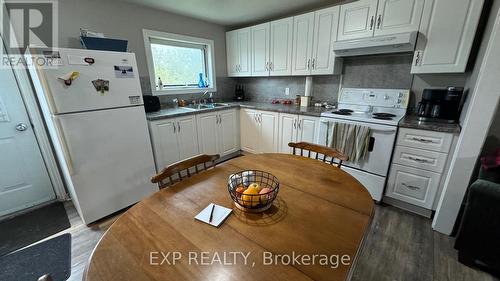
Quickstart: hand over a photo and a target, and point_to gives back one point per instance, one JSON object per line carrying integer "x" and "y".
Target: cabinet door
{"x": 303, "y": 27}
{"x": 244, "y": 52}
{"x": 250, "y": 131}
{"x": 268, "y": 131}
{"x": 207, "y": 125}
{"x": 260, "y": 50}
{"x": 228, "y": 132}
{"x": 357, "y": 19}
{"x": 412, "y": 185}
{"x": 398, "y": 16}
{"x": 232, "y": 53}
{"x": 325, "y": 32}
{"x": 187, "y": 137}
{"x": 280, "y": 55}
{"x": 446, "y": 35}
{"x": 164, "y": 139}
{"x": 308, "y": 129}
{"x": 287, "y": 132}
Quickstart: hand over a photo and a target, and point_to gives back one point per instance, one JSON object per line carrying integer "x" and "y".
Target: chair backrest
{"x": 319, "y": 150}
{"x": 182, "y": 169}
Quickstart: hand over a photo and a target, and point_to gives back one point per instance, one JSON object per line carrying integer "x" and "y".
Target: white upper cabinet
{"x": 232, "y": 53}
{"x": 446, "y": 35}
{"x": 280, "y": 52}
{"x": 398, "y": 16}
{"x": 357, "y": 19}
{"x": 260, "y": 49}
{"x": 325, "y": 33}
{"x": 238, "y": 52}
{"x": 313, "y": 37}
{"x": 303, "y": 28}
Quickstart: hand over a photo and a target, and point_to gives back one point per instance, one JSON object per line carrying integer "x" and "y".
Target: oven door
{"x": 377, "y": 161}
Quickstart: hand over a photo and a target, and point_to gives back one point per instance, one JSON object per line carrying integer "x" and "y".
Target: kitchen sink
{"x": 205, "y": 106}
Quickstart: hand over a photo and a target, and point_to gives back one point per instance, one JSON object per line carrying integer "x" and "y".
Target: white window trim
{"x": 147, "y": 34}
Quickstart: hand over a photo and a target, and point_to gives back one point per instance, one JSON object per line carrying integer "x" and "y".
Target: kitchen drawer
{"x": 419, "y": 158}
{"x": 414, "y": 186}
{"x": 430, "y": 140}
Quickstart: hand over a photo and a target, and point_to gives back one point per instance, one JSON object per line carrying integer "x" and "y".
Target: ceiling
{"x": 235, "y": 12}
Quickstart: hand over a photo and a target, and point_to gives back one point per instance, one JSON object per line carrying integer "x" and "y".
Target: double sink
{"x": 195, "y": 107}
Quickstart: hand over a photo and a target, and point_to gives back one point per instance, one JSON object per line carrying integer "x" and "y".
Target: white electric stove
{"x": 379, "y": 109}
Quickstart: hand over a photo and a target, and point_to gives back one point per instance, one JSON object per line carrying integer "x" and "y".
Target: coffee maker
{"x": 239, "y": 93}
{"x": 442, "y": 105}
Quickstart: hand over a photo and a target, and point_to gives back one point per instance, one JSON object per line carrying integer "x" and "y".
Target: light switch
{"x": 287, "y": 91}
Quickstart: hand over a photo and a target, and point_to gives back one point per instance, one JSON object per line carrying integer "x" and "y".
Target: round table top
{"x": 313, "y": 231}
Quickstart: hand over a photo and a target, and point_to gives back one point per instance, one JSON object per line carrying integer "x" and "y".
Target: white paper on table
{"x": 220, "y": 214}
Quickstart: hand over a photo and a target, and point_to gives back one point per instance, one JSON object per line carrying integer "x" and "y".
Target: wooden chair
{"x": 319, "y": 149}
{"x": 174, "y": 173}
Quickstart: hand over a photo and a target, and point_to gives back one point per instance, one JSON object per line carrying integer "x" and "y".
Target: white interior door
{"x": 281, "y": 47}
{"x": 260, "y": 50}
{"x": 325, "y": 32}
{"x": 398, "y": 16}
{"x": 24, "y": 181}
{"x": 303, "y": 27}
{"x": 357, "y": 19}
{"x": 287, "y": 132}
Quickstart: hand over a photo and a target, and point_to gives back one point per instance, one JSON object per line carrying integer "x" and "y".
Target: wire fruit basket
{"x": 252, "y": 190}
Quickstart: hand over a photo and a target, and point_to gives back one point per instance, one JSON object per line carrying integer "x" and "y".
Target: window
{"x": 177, "y": 61}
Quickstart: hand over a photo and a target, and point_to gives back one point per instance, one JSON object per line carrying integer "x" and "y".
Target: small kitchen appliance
{"x": 380, "y": 110}
{"x": 239, "y": 93}
{"x": 151, "y": 103}
{"x": 441, "y": 105}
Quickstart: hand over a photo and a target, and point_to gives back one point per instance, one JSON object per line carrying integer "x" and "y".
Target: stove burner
{"x": 382, "y": 117}
{"x": 343, "y": 112}
{"x": 382, "y": 114}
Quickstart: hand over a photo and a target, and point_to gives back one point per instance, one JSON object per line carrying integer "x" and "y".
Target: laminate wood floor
{"x": 400, "y": 247}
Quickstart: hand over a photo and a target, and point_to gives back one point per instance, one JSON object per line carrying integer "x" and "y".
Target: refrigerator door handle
{"x": 64, "y": 146}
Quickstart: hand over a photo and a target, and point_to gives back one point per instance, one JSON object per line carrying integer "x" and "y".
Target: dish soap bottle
{"x": 201, "y": 82}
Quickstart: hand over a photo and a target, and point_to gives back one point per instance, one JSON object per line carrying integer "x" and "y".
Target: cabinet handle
{"x": 255, "y": 117}
{"x": 419, "y": 160}
{"x": 313, "y": 64}
{"x": 379, "y": 21}
{"x": 417, "y": 58}
{"x": 300, "y": 126}
{"x": 371, "y": 22}
{"x": 178, "y": 127}
{"x": 422, "y": 140}
{"x": 295, "y": 123}
{"x": 259, "y": 118}
{"x": 270, "y": 65}
{"x": 409, "y": 186}
{"x": 308, "y": 64}
{"x": 175, "y": 130}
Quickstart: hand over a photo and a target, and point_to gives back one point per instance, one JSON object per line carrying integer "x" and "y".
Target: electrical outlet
{"x": 287, "y": 91}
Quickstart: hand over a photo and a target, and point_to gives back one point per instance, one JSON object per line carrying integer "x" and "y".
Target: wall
{"x": 117, "y": 19}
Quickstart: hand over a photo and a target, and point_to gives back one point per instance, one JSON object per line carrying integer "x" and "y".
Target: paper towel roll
{"x": 309, "y": 85}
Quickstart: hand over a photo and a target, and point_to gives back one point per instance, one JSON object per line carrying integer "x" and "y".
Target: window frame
{"x": 177, "y": 39}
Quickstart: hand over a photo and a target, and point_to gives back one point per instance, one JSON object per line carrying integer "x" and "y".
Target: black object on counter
{"x": 440, "y": 105}
{"x": 151, "y": 103}
{"x": 239, "y": 93}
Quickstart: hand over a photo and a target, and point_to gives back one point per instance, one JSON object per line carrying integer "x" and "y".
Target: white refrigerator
{"x": 92, "y": 104}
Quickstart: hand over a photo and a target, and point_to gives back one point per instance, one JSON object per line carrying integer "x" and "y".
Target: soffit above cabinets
{"x": 235, "y": 12}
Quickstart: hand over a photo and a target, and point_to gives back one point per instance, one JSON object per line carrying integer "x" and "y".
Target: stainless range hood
{"x": 394, "y": 43}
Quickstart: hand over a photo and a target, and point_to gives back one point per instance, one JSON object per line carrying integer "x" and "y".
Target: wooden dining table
{"x": 313, "y": 231}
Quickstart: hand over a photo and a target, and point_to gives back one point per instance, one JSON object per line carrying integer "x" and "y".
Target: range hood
{"x": 394, "y": 43}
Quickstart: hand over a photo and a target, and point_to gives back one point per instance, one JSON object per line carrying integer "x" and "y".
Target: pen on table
{"x": 211, "y": 213}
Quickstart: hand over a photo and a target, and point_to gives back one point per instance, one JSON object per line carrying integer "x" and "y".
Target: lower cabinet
{"x": 296, "y": 128}
{"x": 218, "y": 132}
{"x": 259, "y": 131}
{"x": 173, "y": 139}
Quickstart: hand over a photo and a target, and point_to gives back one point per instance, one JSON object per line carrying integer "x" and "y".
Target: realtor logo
{"x": 28, "y": 24}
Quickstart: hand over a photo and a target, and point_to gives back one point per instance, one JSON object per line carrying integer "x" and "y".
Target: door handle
{"x": 21, "y": 127}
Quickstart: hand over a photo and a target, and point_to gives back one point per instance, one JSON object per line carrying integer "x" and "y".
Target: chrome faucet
{"x": 202, "y": 99}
